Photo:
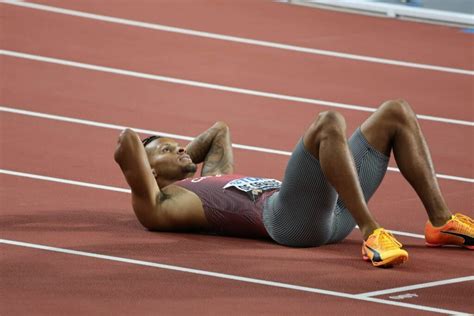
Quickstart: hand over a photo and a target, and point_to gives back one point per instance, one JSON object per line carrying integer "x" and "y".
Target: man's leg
{"x": 326, "y": 140}
{"x": 303, "y": 212}
{"x": 394, "y": 126}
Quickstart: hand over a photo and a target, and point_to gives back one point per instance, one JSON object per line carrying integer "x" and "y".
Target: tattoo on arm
{"x": 214, "y": 149}
{"x": 200, "y": 146}
{"x": 219, "y": 159}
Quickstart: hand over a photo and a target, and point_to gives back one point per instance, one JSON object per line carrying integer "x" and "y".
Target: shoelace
{"x": 467, "y": 224}
{"x": 386, "y": 240}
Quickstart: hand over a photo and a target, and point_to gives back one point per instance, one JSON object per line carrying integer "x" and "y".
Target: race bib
{"x": 253, "y": 185}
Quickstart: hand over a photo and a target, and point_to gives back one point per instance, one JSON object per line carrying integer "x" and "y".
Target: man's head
{"x": 169, "y": 161}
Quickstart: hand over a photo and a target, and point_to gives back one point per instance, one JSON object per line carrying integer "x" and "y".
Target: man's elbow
{"x": 118, "y": 154}
{"x": 126, "y": 137}
{"x": 222, "y": 126}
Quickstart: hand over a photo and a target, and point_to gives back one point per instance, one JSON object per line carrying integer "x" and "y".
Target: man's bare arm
{"x": 132, "y": 159}
{"x": 214, "y": 149}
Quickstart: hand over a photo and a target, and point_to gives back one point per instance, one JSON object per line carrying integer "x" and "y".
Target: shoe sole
{"x": 389, "y": 262}
{"x": 441, "y": 245}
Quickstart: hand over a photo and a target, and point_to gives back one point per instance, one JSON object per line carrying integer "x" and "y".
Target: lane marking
{"x": 218, "y": 87}
{"x": 235, "y": 39}
{"x": 64, "y": 181}
{"x": 417, "y": 286}
{"x": 228, "y": 276}
{"x": 400, "y": 233}
{"x": 123, "y": 190}
{"x": 403, "y": 296}
{"x": 176, "y": 136}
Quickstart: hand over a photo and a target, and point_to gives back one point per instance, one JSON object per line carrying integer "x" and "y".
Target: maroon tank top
{"x": 233, "y": 204}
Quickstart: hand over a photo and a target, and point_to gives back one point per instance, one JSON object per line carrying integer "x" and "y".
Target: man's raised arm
{"x": 214, "y": 149}
{"x": 132, "y": 159}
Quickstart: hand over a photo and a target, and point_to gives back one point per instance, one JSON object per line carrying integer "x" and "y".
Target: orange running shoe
{"x": 459, "y": 231}
{"x": 383, "y": 249}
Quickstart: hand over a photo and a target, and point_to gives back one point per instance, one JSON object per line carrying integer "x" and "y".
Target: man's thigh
{"x": 301, "y": 213}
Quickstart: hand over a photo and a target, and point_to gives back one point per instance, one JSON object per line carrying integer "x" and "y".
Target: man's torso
{"x": 231, "y": 204}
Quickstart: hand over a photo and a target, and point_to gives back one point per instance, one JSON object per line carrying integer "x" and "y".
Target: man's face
{"x": 169, "y": 160}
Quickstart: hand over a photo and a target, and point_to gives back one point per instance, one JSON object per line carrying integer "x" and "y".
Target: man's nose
{"x": 181, "y": 150}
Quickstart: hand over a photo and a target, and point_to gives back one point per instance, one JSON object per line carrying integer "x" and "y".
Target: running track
{"x": 112, "y": 72}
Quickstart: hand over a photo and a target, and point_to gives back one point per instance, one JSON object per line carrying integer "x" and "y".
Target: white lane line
{"x": 228, "y": 277}
{"x": 236, "y": 39}
{"x": 117, "y": 189}
{"x": 64, "y": 181}
{"x": 175, "y": 136}
{"x": 121, "y": 127}
{"x": 417, "y": 286}
{"x": 212, "y": 86}
{"x": 400, "y": 233}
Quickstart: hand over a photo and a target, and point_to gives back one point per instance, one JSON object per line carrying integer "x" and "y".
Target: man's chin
{"x": 190, "y": 168}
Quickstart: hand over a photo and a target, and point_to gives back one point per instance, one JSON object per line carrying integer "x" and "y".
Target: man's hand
{"x": 214, "y": 149}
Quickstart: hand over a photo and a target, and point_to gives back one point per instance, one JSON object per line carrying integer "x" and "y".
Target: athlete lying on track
{"x": 324, "y": 193}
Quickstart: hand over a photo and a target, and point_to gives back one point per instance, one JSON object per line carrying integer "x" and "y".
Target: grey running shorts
{"x": 306, "y": 212}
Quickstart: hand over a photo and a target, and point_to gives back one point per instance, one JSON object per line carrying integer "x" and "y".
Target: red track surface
{"x": 98, "y": 221}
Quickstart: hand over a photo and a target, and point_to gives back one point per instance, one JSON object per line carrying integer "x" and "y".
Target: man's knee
{"x": 398, "y": 110}
{"x": 327, "y": 124}
{"x": 331, "y": 123}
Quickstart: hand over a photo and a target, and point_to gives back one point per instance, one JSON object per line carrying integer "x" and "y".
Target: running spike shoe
{"x": 458, "y": 231}
{"x": 383, "y": 250}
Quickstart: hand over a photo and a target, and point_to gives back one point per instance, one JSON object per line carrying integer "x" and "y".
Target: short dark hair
{"x": 149, "y": 139}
